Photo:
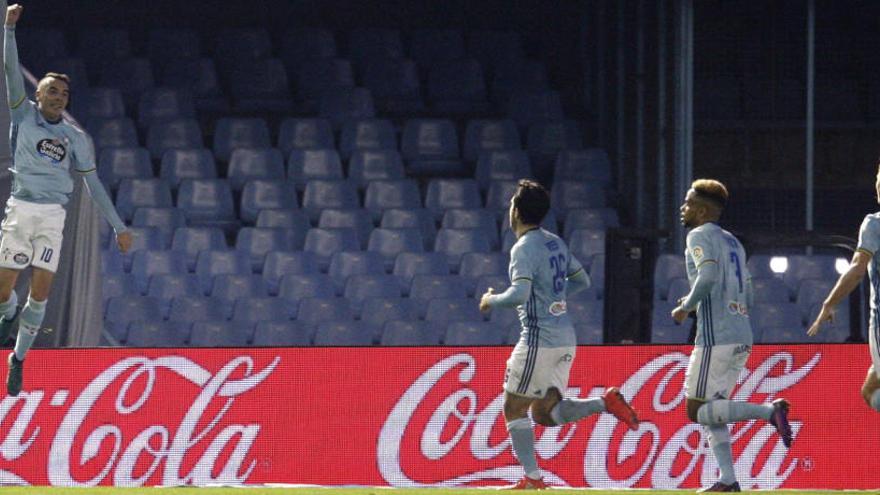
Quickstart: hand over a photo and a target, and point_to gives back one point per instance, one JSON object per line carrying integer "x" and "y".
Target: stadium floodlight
{"x": 779, "y": 264}
{"x": 841, "y": 265}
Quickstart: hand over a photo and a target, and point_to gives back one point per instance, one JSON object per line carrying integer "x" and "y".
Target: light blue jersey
{"x": 542, "y": 258}
{"x": 723, "y": 315}
{"x": 869, "y": 242}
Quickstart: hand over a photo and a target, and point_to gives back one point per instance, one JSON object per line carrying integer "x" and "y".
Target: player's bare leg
{"x": 522, "y": 436}
{"x": 29, "y": 326}
{"x": 871, "y": 390}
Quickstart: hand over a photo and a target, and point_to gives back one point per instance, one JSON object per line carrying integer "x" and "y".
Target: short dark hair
{"x": 532, "y": 201}
{"x": 712, "y": 191}
{"x": 58, "y": 75}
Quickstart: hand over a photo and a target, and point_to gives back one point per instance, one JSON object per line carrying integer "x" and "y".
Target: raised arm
{"x": 14, "y": 79}
{"x": 844, "y": 286}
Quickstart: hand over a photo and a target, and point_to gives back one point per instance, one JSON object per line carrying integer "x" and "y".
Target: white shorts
{"x": 712, "y": 371}
{"x": 532, "y": 371}
{"x": 31, "y": 235}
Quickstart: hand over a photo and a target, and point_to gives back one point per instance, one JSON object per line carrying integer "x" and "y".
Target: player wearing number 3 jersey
{"x": 542, "y": 274}
{"x": 44, "y": 149}
{"x": 721, "y": 296}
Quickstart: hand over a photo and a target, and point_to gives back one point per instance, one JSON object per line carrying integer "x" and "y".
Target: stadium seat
{"x": 802, "y": 267}
{"x": 586, "y": 314}
{"x": 207, "y": 202}
{"x": 198, "y": 308}
{"x": 345, "y": 104}
{"x": 319, "y": 75}
{"x": 473, "y": 333}
{"x": 106, "y": 44}
{"x": 258, "y": 195}
{"x": 360, "y": 287}
{"x": 475, "y": 265}
{"x": 447, "y": 194}
{"x": 261, "y": 86}
{"x": 153, "y": 333}
{"x": 452, "y": 309}
{"x": 426, "y": 287}
{"x": 394, "y": 84}
{"x": 325, "y": 242}
{"x": 499, "y": 194}
{"x": 356, "y": 218}
{"x": 837, "y": 330}
{"x": 382, "y": 195}
{"x": 770, "y": 290}
{"x": 303, "y": 44}
{"x": 146, "y": 263}
{"x": 677, "y": 288}
{"x": 367, "y": 44}
{"x": 231, "y": 133}
{"x": 129, "y": 308}
{"x": 176, "y": 134}
{"x": 591, "y": 164}
{"x": 313, "y": 164}
{"x": 284, "y": 218}
{"x": 429, "y": 139}
{"x": 376, "y": 311}
{"x": 137, "y": 193}
{"x": 296, "y": 287}
{"x": 255, "y": 242}
{"x": 407, "y": 265}
{"x": 531, "y": 109}
{"x": 483, "y": 136}
{"x": 238, "y": 45}
{"x": 585, "y": 243}
{"x": 159, "y": 105}
{"x": 545, "y": 141}
{"x": 118, "y": 132}
{"x": 220, "y": 334}
{"x": 776, "y": 315}
{"x": 304, "y": 133}
{"x": 200, "y": 78}
{"x": 418, "y": 218}
{"x": 100, "y": 103}
{"x": 115, "y": 164}
{"x": 345, "y": 264}
{"x": 343, "y": 333}
{"x": 391, "y": 242}
{"x": 282, "y": 333}
{"x": 521, "y": 76}
{"x": 117, "y": 331}
{"x": 314, "y": 310}
{"x": 167, "y": 286}
{"x": 457, "y": 87}
{"x": 191, "y": 163}
{"x": 429, "y": 46}
{"x": 212, "y": 263}
{"x": 813, "y": 291}
{"x": 256, "y": 309}
{"x": 190, "y": 241}
{"x": 499, "y": 283}
{"x": 475, "y": 218}
{"x": 324, "y": 194}
{"x": 118, "y": 284}
{"x": 164, "y": 42}
{"x": 595, "y": 218}
{"x": 246, "y": 164}
{"x": 667, "y": 267}
{"x": 366, "y": 134}
{"x": 369, "y": 165}
{"x": 132, "y": 76}
{"x": 567, "y": 195}
{"x": 167, "y": 220}
{"x": 456, "y": 242}
{"x": 409, "y": 333}
{"x": 501, "y": 165}
{"x": 280, "y": 263}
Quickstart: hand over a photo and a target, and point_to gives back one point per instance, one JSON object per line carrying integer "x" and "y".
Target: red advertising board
{"x": 414, "y": 416}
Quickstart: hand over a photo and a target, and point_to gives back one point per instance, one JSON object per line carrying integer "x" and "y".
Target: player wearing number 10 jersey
{"x": 721, "y": 295}
{"x": 542, "y": 273}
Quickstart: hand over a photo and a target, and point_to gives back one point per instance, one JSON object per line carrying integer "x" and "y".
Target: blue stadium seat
{"x": 591, "y": 164}
{"x": 345, "y": 264}
{"x": 593, "y": 218}
{"x": 118, "y": 331}
{"x": 394, "y": 84}
{"x": 246, "y": 164}
{"x": 260, "y": 86}
{"x": 360, "y": 287}
{"x": 495, "y": 48}
{"x": 376, "y": 311}
{"x": 200, "y": 78}
{"x": 429, "y": 46}
{"x": 182, "y": 133}
{"x": 475, "y": 218}
{"x": 230, "y": 287}
{"x": 453, "y": 309}
{"x": 475, "y": 265}
{"x": 115, "y": 164}
{"x": 206, "y": 202}
{"x": 255, "y": 242}
{"x": 123, "y": 309}
{"x": 280, "y": 263}
{"x": 499, "y": 194}
{"x": 189, "y": 241}
{"x": 313, "y": 164}
{"x": 457, "y": 87}
{"x": 522, "y": 76}
{"x": 667, "y": 267}
{"x": 146, "y": 263}
{"x": 366, "y": 134}
{"x": 429, "y": 139}
{"x": 198, "y": 308}
{"x": 239, "y": 45}
{"x": 282, "y": 333}
{"x": 473, "y": 333}
{"x": 409, "y": 333}
{"x": 302, "y": 44}
{"x": 323, "y": 194}
{"x": 482, "y": 136}
{"x": 584, "y": 243}
{"x": 167, "y": 286}
{"x": 391, "y": 242}
{"x": 283, "y": 218}
{"x": 132, "y": 76}
{"x": 116, "y": 132}
{"x": 153, "y": 333}
{"x": 418, "y": 218}
{"x": 532, "y": 109}
{"x": 499, "y": 283}
{"x": 136, "y": 193}
{"x": 425, "y": 287}
{"x": 597, "y": 273}
{"x": 191, "y": 163}
{"x": 802, "y": 267}
{"x": 546, "y": 140}
{"x": 118, "y": 284}
{"x": 770, "y": 290}
{"x": 220, "y": 334}
{"x": 159, "y": 105}
{"x": 813, "y": 291}
{"x": 356, "y": 218}
{"x": 677, "y": 288}
{"x": 369, "y": 165}
{"x": 341, "y": 105}
{"x": 456, "y": 242}
{"x": 447, "y": 194}
{"x": 105, "y": 44}
{"x": 142, "y": 238}
{"x": 325, "y": 242}
{"x": 382, "y": 195}
{"x": 586, "y": 315}
{"x": 165, "y": 42}
{"x": 231, "y": 133}
{"x": 567, "y": 195}
{"x": 101, "y": 103}
{"x": 776, "y": 315}
{"x": 319, "y": 75}
{"x": 258, "y": 195}
{"x": 296, "y": 287}
{"x": 368, "y": 44}
{"x": 166, "y": 220}
{"x": 212, "y": 263}
{"x": 343, "y": 333}
{"x": 303, "y": 134}
{"x": 260, "y": 309}
{"x": 314, "y": 310}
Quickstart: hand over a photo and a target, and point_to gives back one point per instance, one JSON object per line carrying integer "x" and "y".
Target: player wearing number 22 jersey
{"x": 721, "y": 296}
{"x": 542, "y": 274}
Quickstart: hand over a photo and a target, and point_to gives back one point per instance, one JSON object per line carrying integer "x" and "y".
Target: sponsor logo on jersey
{"x": 697, "y": 253}
{"x": 52, "y": 149}
{"x": 736, "y": 308}
{"x": 558, "y": 308}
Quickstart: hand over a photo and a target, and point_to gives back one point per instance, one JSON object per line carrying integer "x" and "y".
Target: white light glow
{"x": 779, "y": 264}
{"x": 841, "y": 265}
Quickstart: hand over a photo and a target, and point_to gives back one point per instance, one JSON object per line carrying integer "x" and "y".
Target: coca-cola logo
{"x": 113, "y": 452}
{"x": 653, "y": 457}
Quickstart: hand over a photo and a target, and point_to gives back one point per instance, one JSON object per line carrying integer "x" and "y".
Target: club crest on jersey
{"x": 52, "y": 149}
{"x": 697, "y": 253}
{"x": 558, "y": 308}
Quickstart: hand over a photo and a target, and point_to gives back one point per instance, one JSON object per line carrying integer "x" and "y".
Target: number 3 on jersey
{"x": 734, "y": 258}
{"x": 557, "y": 263}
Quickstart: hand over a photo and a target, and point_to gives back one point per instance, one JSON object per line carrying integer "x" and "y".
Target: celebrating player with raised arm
{"x": 44, "y": 146}
{"x": 864, "y": 260}
{"x": 721, "y": 294}
{"x": 542, "y": 274}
